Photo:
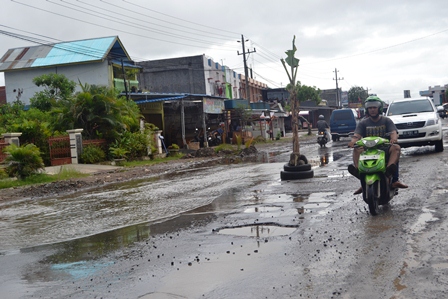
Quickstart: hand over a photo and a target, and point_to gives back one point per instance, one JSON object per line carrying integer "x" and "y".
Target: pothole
{"x": 258, "y": 230}
{"x": 264, "y": 209}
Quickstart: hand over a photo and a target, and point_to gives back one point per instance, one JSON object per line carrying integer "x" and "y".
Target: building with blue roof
{"x": 96, "y": 61}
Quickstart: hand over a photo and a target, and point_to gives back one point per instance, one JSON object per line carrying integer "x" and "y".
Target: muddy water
{"x": 50, "y": 220}
{"x": 128, "y": 208}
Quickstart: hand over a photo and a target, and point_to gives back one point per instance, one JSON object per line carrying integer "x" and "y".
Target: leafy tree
{"x": 99, "y": 111}
{"x": 305, "y": 93}
{"x": 56, "y": 87}
{"x": 357, "y": 94}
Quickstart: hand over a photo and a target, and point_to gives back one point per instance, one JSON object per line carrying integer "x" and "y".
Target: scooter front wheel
{"x": 373, "y": 195}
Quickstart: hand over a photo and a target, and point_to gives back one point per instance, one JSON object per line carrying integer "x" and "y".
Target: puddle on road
{"x": 422, "y": 220}
{"x": 79, "y": 270}
{"x": 281, "y": 198}
{"x": 258, "y": 231}
{"x": 316, "y": 205}
{"x": 271, "y": 211}
{"x": 265, "y": 209}
{"x": 260, "y": 157}
{"x": 320, "y": 196}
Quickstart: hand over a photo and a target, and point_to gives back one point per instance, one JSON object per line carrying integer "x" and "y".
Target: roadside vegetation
{"x": 38, "y": 178}
{"x": 99, "y": 111}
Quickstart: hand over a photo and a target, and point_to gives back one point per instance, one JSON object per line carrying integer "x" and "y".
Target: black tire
{"x": 334, "y": 138}
{"x": 304, "y": 167}
{"x": 373, "y": 194}
{"x": 439, "y": 146}
{"x": 296, "y": 175}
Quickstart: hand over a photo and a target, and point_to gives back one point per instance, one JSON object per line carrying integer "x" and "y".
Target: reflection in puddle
{"x": 79, "y": 270}
{"x": 265, "y": 209}
{"x": 316, "y": 205}
{"x": 278, "y": 198}
{"x": 260, "y": 157}
{"x": 258, "y": 231}
{"x": 271, "y": 211}
{"x": 299, "y": 198}
{"x": 320, "y": 196}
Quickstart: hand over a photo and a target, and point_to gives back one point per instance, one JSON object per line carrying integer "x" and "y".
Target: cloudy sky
{"x": 384, "y": 46}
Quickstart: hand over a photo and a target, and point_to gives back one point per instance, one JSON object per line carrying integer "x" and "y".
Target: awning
{"x": 159, "y": 99}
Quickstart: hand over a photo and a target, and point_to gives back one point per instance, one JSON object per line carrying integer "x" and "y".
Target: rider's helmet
{"x": 374, "y": 101}
{"x": 321, "y": 117}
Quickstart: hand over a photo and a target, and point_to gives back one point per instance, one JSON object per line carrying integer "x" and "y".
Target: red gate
{"x": 60, "y": 153}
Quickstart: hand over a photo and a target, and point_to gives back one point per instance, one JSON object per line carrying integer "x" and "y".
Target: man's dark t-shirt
{"x": 367, "y": 127}
{"x": 322, "y": 125}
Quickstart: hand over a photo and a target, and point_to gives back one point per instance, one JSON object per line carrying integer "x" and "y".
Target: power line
{"x": 382, "y": 49}
{"x": 145, "y": 8}
{"x": 107, "y": 27}
{"x": 104, "y": 16}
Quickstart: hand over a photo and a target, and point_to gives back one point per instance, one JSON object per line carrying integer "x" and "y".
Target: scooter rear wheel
{"x": 373, "y": 195}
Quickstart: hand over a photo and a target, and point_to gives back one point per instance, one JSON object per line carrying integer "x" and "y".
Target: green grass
{"x": 41, "y": 178}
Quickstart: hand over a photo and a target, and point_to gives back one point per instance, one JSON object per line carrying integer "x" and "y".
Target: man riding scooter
{"x": 322, "y": 126}
{"x": 375, "y": 124}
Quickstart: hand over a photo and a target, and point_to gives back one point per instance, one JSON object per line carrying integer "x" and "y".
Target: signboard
{"x": 213, "y": 106}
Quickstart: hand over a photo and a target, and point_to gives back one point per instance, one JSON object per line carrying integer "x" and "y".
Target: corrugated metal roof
{"x": 62, "y": 53}
{"x": 159, "y": 99}
{"x": 148, "y": 97}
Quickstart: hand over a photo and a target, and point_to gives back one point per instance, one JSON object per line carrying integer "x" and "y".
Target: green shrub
{"x": 92, "y": 154}
{"x": 23, "y": 161}
{"x": 137, "y": 145}
{"x": 130, "y": 146}
{"x": 174, "y": 146}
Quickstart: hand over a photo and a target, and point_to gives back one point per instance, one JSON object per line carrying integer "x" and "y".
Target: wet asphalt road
{"x": 235, "y": 231}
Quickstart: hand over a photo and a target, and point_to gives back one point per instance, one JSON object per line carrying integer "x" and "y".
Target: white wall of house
{"x": 92, "y": 73}
{"x": 215, "y": 78}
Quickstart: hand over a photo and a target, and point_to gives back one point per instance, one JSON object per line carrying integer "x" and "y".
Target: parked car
{"x": 342, "y": 123}
{"x": 418, "y": 122}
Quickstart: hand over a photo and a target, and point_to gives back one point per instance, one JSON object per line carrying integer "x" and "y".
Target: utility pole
{"x": 338, "y": 96}
{"x": 246, "y": 73}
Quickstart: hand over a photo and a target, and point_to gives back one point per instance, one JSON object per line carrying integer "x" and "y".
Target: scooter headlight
{"x": 370, "y": 143}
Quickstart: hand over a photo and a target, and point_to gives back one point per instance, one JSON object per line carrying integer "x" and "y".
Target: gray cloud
{"x": 386, "y": 46}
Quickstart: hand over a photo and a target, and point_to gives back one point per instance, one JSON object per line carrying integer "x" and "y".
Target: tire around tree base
{"x": 296, "y": 175}
{"x": 302, "y": 167}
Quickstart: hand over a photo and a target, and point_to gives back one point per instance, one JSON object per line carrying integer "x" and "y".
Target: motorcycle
{"x": 322, "y": 138}
{"x": 376, "y": 184}
{"x": 214, "y": 138}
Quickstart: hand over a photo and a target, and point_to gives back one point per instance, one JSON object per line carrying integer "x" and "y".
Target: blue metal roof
{"x": 149, "y": 97}
{"x": 89, "y": 50}
{"x": 77, "y": 51}
{"x": 159, "y": 99}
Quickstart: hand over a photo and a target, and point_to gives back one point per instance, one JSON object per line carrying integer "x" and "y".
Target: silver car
{"x": 418, "y": 122}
